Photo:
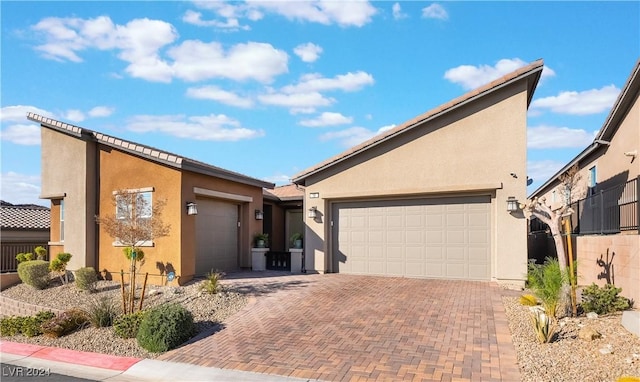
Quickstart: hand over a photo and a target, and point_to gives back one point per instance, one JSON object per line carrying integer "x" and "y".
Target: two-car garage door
{"x": 439, "y": 238}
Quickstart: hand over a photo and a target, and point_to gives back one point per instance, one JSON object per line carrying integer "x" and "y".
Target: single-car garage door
{"x": 216, "y": 236}
{"x": 439, "y": 238}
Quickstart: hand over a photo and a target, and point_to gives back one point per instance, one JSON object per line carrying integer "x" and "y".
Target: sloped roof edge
{"x": 620, "y": 107}
{"x": 533, "y": 70}
{"x": 148, "y": 152}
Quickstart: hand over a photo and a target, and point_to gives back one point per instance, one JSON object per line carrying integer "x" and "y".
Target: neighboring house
{"x": 22, "y": 228}
{"x": 605, "y": 204}
{"x": 429, "y": 197}
{"x": 283, "y": 215}
{"x": 82, "y": 170}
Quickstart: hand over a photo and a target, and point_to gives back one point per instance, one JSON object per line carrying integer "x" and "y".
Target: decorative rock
{"x": 592, "y": 315}
{"x": 606, "y": 350}
{"x": 153, "y": 292}
{"x": 588, "y": 334}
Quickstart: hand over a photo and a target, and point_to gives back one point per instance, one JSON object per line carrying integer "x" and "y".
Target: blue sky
{"x": 268, "y": 89}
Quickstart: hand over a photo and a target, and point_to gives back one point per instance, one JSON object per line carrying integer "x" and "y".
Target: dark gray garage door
{"x": 216, "y": 236}
{"x": 439, "y": 238}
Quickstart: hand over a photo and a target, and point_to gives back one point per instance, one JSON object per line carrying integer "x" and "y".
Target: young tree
{"x": 137, "y": 220}
{"x": 570, "y": 189}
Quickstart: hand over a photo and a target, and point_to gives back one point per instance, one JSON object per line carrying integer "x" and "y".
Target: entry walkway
{"x": 351, "y": 328}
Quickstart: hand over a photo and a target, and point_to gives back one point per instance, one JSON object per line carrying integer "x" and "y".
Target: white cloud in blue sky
{"x": 435, "y": 11}
{"x": 551, "y": 137}
{"x": 591, "y": 101}
{"x": 471, "y": 77}
{"x": 308, "y": 52}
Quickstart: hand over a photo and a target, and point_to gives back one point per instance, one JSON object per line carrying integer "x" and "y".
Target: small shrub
{"x": 65, "y": 323}
{"x": 34, "y": 273}
{"x": 127, "y": 325}
{"x": 10, "y": 326}
{"x": 528, "y": 300}
{"x": 547, "y": 281}
{"x": 59, "y": 265}
{"x": 22, "y": 257}
{"x": 28, "y": 326}
{"x": 165, "y": 327}
{"x": 543, "y": 326}
{"x": 211, "y": 284}
{"x": 603, "y": 300}
{"x": 86, "y": 279}
{"x": 101, "y": 312}
{"x": 41, "y": 253}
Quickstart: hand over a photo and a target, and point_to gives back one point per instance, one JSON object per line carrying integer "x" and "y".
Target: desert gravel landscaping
{"x": 567, "y": 358}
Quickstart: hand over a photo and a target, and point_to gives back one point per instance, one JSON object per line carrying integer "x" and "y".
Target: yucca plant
{"x": 543, "y": 326}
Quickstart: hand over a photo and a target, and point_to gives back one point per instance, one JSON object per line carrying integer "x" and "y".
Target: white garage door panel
{"x": 216, "y": 236}
{"x": 439, "y": 238}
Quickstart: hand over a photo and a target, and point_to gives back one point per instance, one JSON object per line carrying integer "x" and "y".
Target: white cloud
{"x": 435, "y": 11}
{"x": 397, "y": 12}
{"x": 541, "y": 171}
{"x": 28, "y": 135}
{"x": 205, "y": 128}
{"x": 137, "y": 42}
{"x": 579, "y": 103}
{"x": 353, "y": 135}
{"x": 299, "y": 102}
{"x": 196, "y": 60}
{"x": 18, "y": 113}
{"x": 346, "y": 82}
{"x": 74, "y": 115}
{"x": 195, "y": 18}
{"x": 551, "y": 137}
{"x": 308, "y": 52}
{"x": 214, "y": 93}
{"x": 327, "y": 12}
{"x": 101, "y": 111}
{"x": 21, "y": 189}
{"x": 471, "y": 77}
{"x": 327, "y": 119}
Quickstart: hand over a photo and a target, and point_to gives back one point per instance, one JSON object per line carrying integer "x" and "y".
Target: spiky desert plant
{"x": 543, "y": 326}
{"x": 528, "y": 300}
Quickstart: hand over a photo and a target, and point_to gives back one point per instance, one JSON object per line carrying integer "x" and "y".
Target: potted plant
{"x": 296, "y": 240}
{"x": 261, "y": 240}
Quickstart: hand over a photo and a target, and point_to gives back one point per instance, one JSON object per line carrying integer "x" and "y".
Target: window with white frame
{"x": 135, "y": 209}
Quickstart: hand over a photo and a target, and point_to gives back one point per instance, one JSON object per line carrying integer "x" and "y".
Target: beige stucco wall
{"x": 470, "y": 151}
{"x": 119, "y": 171}
{"x": 68, "y": 168}
{"x": 621, "y": 252}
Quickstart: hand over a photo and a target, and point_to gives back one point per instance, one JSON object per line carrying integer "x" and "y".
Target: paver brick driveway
{"x": 343, "y": 328}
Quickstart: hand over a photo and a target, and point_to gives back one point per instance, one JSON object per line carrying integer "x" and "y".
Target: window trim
{"x": 61, "y": 213}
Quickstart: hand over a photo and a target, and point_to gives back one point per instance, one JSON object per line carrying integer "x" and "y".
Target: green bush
{"x": 65, "y": 323}
{"x": 102, "y": 312}
{"x": 59, "y": 265}
{"x": 546, "y": 281}
{"x": 603, "y": 300}
{"x": 34, "y": 273}
{"x": 165, "y": 327}
{"x": 22, "y": 257}
{"x": 28, "y": 326}
{"x": 127, "y": 325}
{"x": 86, "y": 279}
{"x": 211, "y": 284}
{"x": 41, "y": 253}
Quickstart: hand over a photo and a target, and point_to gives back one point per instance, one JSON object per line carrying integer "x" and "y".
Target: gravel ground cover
{"x": 209, "y": 311}
{"x": 567, "y": 358}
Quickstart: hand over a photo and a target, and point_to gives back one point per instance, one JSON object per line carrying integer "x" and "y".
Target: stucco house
{"x": 432, "y": 197}
{"x": 81, "y": 171}
{"x": 283, "y": 215}
{"x": 605, "y": 202}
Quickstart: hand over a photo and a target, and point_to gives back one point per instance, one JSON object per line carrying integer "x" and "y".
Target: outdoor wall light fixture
{"x": 192, "y": 208}
{"x": 512, "y": 204}
{"x": 259, "y": 215}
{"x": 313, "y": 212}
